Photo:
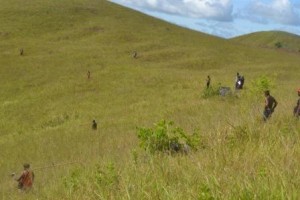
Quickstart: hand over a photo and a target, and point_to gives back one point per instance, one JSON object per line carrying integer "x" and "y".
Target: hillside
{"x": 271, "y": 39}
{"x": 47, "y": 106}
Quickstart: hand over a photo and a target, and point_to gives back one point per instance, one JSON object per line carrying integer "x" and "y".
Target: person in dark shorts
{"x": 270, "y": 105}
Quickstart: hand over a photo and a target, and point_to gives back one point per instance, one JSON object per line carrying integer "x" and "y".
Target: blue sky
{"x": 224, "y": 18}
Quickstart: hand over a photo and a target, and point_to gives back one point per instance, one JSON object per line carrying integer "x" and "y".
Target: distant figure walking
{"x": 297, "y": 107}
{"x": 26, "y": 179}
{"x": 239, "y": 81}
{"x": 88, "y": 74}
{"x": 134, "y": 55}
{"x": 94, "y": 125}
{"x": 270, "y": 105}
{"x": 208, "y": 82}
{"x": 21, "y": 52}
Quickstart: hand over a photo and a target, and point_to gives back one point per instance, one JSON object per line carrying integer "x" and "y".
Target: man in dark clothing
{"x": 297, "y": 108}
{"x": 26, "y": 179}
{"x": 94, "y": 125}
{"x": 237, "y": 81}
{"x": 88, "y": 74}
{"x": 208, "y": 82}
{"x": 242, "y": 82}
{"x": 270, "y": 105}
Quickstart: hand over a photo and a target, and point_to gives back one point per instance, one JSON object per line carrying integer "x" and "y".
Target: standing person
{"x": 94, "y": 125}
{"x": 208, "y": 82}
{"x": 88, "y": 74}
{"x": 26, "y": 179}
{"x": 270, "y": 105}
{"x": 297, "y": 108}
{"x": 237, "y": 81}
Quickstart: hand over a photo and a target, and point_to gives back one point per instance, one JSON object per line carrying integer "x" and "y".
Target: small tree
{"x": 260, "y": 84}
{"x": 166, "y": 138}
{"x": 278, "y": 45}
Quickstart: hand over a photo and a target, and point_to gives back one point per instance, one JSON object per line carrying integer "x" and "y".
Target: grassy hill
{"x": 271, "y": 39}
{"x": 47, "y": 106}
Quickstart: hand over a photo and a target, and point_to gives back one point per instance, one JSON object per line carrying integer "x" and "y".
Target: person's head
{"x": 26, "y": 166}
{"x": 267, "y": 93}
{"x": 208, "y": 76}
{"x": 94, "y": 121}
{"x": 237, "y": 74}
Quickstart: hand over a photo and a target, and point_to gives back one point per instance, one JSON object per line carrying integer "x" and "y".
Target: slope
{"x": 271, "y": 39}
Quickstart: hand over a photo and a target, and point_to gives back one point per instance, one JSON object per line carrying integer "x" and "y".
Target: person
{"x": 25, "y": 181}
{"x": 270, "y": 105}
{"x": 88, "y": 74}
{"x": 297, "y": 107}
{"x": 94, "y": 125}
{"x": 134, "y": 55}
{"x": 237, "y": 81}
{"x": 208, "y": 82}
{"x": 21, "y": 52}
{"x": 242, "y": 82}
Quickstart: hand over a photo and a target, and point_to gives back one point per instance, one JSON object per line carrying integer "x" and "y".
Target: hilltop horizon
{"x": 226, "y": 19}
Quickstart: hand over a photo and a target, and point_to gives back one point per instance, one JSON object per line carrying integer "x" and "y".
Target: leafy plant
{"x": 166, "y": 138}
{"x": 261, "y": 84}
{"x": 278, "y": 45}
{"x": 210, "y": 92}
{"x": 108, "y": 176}
{"x": 72, "y": 181}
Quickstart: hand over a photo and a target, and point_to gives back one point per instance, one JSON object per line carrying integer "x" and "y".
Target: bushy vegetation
{"x": 210, "y": 92}
{"x": 261, "y": 84}
{"x": 166, "y": 138}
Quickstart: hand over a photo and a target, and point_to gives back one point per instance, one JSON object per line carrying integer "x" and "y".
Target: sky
{"x": 224, "y": 18}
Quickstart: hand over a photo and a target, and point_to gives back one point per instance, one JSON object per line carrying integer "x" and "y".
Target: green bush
{"x": 166, "y": 138}
{"x": 261, "y": 84}
{"x": 278, "y": 45}
{"x": 210, "y": 92}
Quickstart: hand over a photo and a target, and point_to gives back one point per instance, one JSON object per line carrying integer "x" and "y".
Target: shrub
{"x": 278, "y": 45}
{"x": 166, "y": 138}
{"x": 261, "y": 84}
{"x": 210, "y": 92}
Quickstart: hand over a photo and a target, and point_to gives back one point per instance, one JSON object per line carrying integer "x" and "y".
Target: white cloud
{"x": 278, "y": 11}
{"x": 220, "y": 10}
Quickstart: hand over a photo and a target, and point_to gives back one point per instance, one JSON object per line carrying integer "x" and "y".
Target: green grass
{"x": 270, "y": 39}
{"x": 47, "y": 106}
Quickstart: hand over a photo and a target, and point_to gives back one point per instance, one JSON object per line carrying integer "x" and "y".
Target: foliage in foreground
{"x": 166, "y": 138}
{"x": 262, "y": 83}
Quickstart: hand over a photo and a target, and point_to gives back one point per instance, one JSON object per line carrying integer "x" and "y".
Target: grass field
{"x": 272, "y": 39}
{"x": 47, "y": 105}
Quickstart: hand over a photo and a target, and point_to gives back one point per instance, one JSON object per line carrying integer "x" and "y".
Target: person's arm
{"x": 298, "y": 109}
{"x": 274, "y": 105}
{"x": 32, "y": 176}
{"x": 21, "y": 177}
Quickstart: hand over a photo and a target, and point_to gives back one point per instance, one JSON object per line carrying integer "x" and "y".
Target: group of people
{"x": 25, "y": 181}
{"x": 271, "y": 104}
{"x": 270, "y": 101}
